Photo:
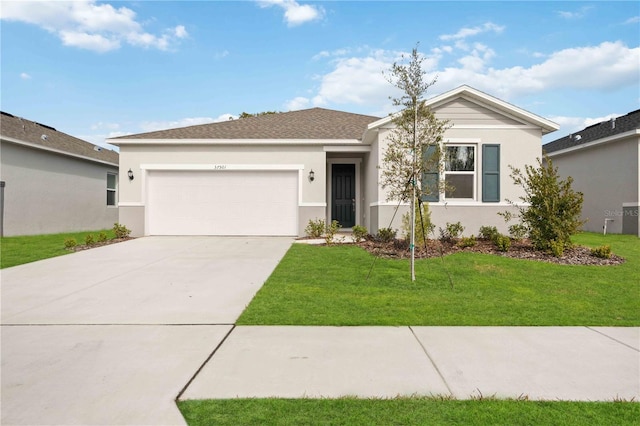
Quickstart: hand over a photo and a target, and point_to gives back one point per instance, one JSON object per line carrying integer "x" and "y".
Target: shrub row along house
{"x": 270, "y": 174}
{"x": 51, "y": 182}
{"x": 603, "y": 160}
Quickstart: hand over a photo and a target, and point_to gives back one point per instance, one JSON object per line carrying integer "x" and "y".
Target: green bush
{"x": 603, "y": 252}
{"x": 102, "y": 237}
{"x": 451, "y": 231}
{"x": 120, "y": 231}
{"x": 423, "y": 228}
{"x": 556, "y": 248}
{"x": 331, "y": 232}
{"x": 359, "y": 233}
{"x": 467, "y": 242}
{"x": 553, "y": 209}
{"x": 89, "y": 240}
{"x": 518, "y": 231}
{"x": 315, "y": 228}
{"x": 70, "y": 243}
{"x": 488, "y": 232}
{"x": 502, "y": 242}
{"x": 386, "y": 235}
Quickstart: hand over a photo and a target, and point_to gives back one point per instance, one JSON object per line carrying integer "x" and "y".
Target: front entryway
{"x": 343, "y": 194}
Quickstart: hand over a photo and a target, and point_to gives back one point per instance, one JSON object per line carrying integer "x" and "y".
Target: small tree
{"x": 417, "y": 132}
{"x": 552, "y": 214}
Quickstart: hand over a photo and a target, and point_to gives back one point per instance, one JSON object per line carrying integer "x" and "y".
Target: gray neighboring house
{"x": 603, "y": 161}
{"x": 52, "y": 182}
{"x": 271, "y": 174}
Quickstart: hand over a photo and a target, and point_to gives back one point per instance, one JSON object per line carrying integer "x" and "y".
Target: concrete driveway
{"x": 111, "y": 335}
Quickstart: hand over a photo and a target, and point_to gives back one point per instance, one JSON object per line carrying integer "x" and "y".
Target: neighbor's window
{"x": 111, "y": 189}
{"x": 460, "y": 172}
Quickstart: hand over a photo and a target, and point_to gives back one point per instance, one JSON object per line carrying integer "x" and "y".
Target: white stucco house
{"x": 52, "y": 182}
{"x": 603, "y": 161}
{"x": 271, "y": 174}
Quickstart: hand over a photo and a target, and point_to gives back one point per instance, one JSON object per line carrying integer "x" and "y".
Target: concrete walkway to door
{"x": 112, "y": 335}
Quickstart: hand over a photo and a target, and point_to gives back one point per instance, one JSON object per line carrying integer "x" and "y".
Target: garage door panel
{"x": 222, "y": 203}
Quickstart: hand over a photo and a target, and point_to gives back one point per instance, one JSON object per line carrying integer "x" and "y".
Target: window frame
{"x": 113, "y": 190}
{"x": 473, "y": 173}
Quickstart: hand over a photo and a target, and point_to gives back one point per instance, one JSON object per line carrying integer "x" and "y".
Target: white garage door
{"x": 222, "y": 203}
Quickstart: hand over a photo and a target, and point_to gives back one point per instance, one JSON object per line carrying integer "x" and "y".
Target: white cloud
{"x": 581, "y": 13}
{"x": 151, "y": 126}
{"x": 294, "y": 12}
{"x": 463, "y": 33}
{"x": 299, "y": 102}
{"x": 570, "y": 125}
{"x": 633, "y": 20}
{"x": 220, "y": 55}
{"x": 87, "y": 25}
{"x": 25, "y": 76}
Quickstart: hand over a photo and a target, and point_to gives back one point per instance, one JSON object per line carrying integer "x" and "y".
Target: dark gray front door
{"x": 343, "y": 194}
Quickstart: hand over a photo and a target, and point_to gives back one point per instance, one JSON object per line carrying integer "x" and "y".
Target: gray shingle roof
{"x": 314, "y": 123}
{"x": 47, "y": 137}
{"x": 595, "y": 132}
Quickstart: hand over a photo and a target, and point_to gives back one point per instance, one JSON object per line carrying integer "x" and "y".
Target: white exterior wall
{"x": 607, "y": 175}
{"x": 139, "y": 158}
{"x": 520, "y": 145}
{"x": 49, "y": 193}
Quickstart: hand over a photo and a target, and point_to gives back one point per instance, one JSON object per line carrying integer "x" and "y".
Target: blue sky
{"x": 97, "y": 69}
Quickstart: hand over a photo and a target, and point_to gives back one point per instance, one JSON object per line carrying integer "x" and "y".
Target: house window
{"x": 111, "y": 189}
{"x": 460, "y": 172}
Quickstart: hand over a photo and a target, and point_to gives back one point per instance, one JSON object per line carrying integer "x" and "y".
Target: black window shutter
{"x": 431, "y": 175}
{"x": 490, "y": 173}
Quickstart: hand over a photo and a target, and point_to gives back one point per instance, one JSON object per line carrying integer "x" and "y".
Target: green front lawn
{"x": 24, "y": 249}
{"x": 327, "y": 285}
{"x": 406, "y": 411}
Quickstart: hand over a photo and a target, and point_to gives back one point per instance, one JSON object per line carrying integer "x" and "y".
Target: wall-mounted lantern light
{"x": 130, "y": 174}
{"x": 312, "y": 176}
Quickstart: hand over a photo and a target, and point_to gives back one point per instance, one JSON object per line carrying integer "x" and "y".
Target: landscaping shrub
{"x": 315, "y": 228}
{"x": 603, "y": 252}
{"x": 502, "y": 242}
{"x": 451, "y": 231}
{"x": 70, "y": 243}
{"x": 102, "y": 237}
{"x": 331, "y": 232}
{"x": 386, "y": 235}
{"x": 89, "y": 240}
{"x": 121, "y": 231}
{"x": 424, "y": 227}
{"x": 467, "y": 242}
{"x": 553, "y": 212}
{"x": 488, "y": 232}
{"x": 359, "y": 233}
{"x": 518, "y": 231}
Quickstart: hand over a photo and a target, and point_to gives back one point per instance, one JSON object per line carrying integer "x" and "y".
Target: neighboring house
{"x": 52, "y": 182}
{"x": 603, "y": 161}
{"x": 271, "y": 174}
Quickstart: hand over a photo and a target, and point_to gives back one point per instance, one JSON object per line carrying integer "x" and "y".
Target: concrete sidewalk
{"x": 550, "y": 363}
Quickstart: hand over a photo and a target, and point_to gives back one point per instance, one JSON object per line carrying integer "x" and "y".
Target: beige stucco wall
{"x": 519, "y": 146}
{"x": 50, "y": 193}
{"x": 607, "y": 175}
{"x": 136, "y": 157}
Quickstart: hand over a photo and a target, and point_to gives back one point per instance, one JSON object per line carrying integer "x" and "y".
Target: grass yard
{"x": 24, "y": 249}
{"x": 406, "y": 411}
{"x": 327, "y": 285}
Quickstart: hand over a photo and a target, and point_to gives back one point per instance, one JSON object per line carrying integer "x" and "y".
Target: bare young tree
{"x": 413, "y": 150}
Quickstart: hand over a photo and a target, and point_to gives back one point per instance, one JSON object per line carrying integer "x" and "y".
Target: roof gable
{"x": 595, "y": 132}
{"x": 470, "y": 96}
{"x": 314, "y": 123}
{"x": 20, "y": 130}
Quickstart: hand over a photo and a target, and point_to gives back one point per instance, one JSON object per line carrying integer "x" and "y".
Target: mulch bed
{"x": 399, "y": 249}
{"x": 81, "y": 247}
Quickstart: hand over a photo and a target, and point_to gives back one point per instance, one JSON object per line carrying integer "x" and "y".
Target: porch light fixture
{"x": 130, "y": 174}
{"x": 312, "y": 176}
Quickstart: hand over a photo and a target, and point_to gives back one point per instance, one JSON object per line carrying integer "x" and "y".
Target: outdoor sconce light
{"x": 312, "y": 176}
{"x": 130, "y": 174}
